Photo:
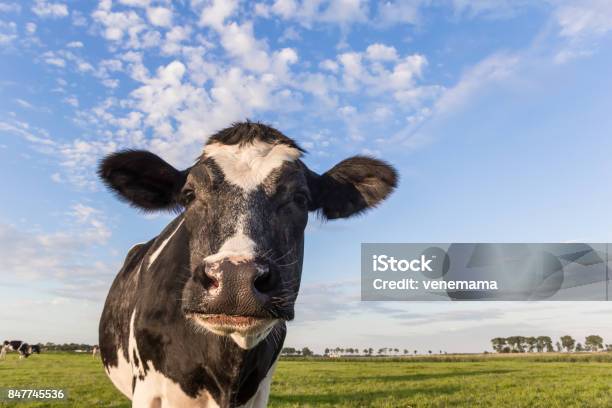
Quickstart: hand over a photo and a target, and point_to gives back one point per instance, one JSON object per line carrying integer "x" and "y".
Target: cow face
{"x": 245, "y": 205}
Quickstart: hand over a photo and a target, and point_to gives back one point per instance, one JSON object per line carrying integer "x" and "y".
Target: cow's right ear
{"x": 351, "y": 187}
{"x": 142, "y": 179}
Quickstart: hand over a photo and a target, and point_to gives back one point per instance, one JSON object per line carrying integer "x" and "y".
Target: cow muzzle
{"x": 236, "y": 296}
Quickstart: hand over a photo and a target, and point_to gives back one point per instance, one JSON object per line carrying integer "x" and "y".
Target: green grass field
{"x": 547, "y": 380}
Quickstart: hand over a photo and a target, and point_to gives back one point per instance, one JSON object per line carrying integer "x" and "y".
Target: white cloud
{"x": 173, "y": 40}
{"x": 63, "y": 257}
{"x": 581, "y": 26}
{"x": 381, "y": 52}
{"x": 110, "y": 83}
{"x": 239, "y": 41}
{"x": 215, "y": 13}
{"x": 57, "y": 178}
{"x": 160, "y": 16}
{"x": 8, "y": 32}
{"x": 136, "y": 3}
{"x": 347, "y": 111}
{"x": 495, "y": 9}
{"x": 24, "y": 103}
{"x": 31, "y": 27}
{"x": 570, "y": 53}
{"x": 36, "y": 136}
{"x": 10, "y": 8}
{"x": 112, "y": 64}
{"x": 78, "y": 19}
{"x": 366, "y": 72}
{"x": 116, "y": 24}
{"x": 416, "y": 96}
{"x": 290, "y": 34}
{"x": 72, "y": 101}
{"x": 285, "y": 8}
{"x": 262, "y": 10}
{"x": 493, "y": 68}
{"x": 75, "y": 44}
{"x": 58, "y": 62}
{"x": 329, "y": 65}
{"x": 585, "y": 19}
{"x": 382, "y": 113}
{"x": 96, "y": 231}
{"x": 346, "y": 11}
{"x": 79, "y": 158}
{"x": 398, "y": 12}
{"x": 342, "y": 12}
{"x": 43, "y": 8}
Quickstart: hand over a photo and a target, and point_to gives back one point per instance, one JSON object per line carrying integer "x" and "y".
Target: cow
{"x": 94, "y": 351}
{"x": 35, "y": 349}
{"x": 19, "y": 346}
{"x": 196, "y": 316}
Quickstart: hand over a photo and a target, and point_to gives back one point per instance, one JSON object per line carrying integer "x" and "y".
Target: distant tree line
{"x": 355, "y": 351}
{"x": 66, "y": 347}
{"x": 521, "y": 344}
{"x": 384, "y": 351}
{"x": 290, "y": 351}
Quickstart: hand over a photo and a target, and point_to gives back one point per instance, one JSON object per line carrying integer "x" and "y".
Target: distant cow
{"x": 35, "y": 349}
{"x": 94, "y": 351}
{"x": 19, "y": 346}
{"x": 196, "y": 316}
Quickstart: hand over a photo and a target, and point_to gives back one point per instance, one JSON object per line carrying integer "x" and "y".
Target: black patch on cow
{"x": 24, "y": 350}
{"x": 135, "y": 360}
{"x": 19, "y": 346}
{"x": 114, "y": 329}
{"x": 243, "y": 133}
{"x": 351, "y": 187}
{"x": 142, "y": 179}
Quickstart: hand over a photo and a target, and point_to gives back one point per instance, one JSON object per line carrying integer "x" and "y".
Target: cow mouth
{"x": 231, "y": 323}
{"x": 229, "y": 320}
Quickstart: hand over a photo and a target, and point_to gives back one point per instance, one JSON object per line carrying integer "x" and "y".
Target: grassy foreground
{"x": 454, "y": 381}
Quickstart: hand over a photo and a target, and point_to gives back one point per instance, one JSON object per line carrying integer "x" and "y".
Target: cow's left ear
{"x": 351, "y": 187}
{"x": 142, "y": 179}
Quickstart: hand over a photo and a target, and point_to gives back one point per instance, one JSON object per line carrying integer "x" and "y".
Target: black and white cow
{"x": 196, "y": 316}
{"x": 19, "y": 346}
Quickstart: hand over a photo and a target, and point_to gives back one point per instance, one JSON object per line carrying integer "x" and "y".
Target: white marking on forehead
{"x": 161, "y": 247}
{"x": 238, "y": 246}
{"x": 248, "y": 165}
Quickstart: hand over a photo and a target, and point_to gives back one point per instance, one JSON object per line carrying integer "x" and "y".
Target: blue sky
{"x": 495, "y": 112}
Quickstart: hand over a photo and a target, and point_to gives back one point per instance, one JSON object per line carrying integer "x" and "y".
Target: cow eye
{"x": 301, "y": 200}
{"x": 187, "y": 196}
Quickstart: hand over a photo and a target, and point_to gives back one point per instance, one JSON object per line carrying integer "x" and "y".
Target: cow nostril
{"x": 210, "y": 282}
{"x": 206, "y": 278}
{"x": 265, "y": 282}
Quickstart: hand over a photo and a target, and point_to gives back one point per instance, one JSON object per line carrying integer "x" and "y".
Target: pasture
{"x": 538, "y": 380}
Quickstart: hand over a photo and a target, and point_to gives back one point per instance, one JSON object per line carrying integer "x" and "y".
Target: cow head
{"x": 245, "y": 205}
